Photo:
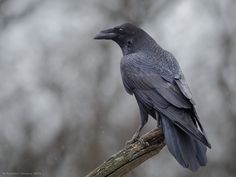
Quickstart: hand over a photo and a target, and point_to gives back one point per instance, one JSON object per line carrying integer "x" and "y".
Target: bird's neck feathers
{"x": 142, "y": 43}
{"x": 151, "y": 45}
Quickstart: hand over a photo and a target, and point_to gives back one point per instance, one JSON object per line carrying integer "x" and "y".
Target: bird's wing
{"x": 183, "y": 86}
{"x": 177, "y": 77}
{"x": 137, "y": 73}
{"x": 172, "y": 73}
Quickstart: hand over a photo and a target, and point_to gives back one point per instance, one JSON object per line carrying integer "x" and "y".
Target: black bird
{"x": 154, "y": 77}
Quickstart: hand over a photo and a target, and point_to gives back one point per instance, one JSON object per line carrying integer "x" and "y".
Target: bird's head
{"x": 129, "y": 37}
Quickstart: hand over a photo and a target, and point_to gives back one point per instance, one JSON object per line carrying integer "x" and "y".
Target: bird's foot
{"x": 136, "y": 139}
{"x": 144, "y": 143}
{"x": 132, "y": 141}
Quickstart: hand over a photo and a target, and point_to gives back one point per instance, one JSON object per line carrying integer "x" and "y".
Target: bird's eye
{"x": 129, "y": 43}
{"x": 121, "y": 29}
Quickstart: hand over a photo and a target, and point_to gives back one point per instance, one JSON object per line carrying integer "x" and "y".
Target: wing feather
{"x": 143, "y": 76}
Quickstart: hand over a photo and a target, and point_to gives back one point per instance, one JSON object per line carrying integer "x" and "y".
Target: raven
{"x": 154, "y": 77}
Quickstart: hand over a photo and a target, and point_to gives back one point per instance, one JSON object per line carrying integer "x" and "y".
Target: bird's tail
{"x": 188, "y": 151}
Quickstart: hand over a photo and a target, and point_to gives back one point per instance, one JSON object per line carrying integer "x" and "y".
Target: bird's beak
{"x": 106, "y": 34}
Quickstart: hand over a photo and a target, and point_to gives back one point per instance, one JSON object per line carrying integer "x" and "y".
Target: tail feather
{"x": 188, "y": 151}
{"x": 201, "y": 153}
{"x": 184, "y": 121}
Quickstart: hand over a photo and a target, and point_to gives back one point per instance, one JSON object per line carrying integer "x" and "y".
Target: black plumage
{"x": 154, "y": 77}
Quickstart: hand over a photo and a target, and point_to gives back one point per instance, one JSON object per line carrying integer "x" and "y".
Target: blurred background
{"x": 63, "y": 108}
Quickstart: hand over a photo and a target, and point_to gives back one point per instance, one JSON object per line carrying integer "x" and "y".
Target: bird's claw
{"x": 144, "y": 143}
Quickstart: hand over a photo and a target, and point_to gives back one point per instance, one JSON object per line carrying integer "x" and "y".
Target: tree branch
{"x": 130, "y": 157}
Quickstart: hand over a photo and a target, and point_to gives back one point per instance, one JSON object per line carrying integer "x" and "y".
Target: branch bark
{"x": 131, "y": 156}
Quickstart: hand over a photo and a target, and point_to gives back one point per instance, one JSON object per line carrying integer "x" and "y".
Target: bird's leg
{"x": 158, "y": 118}
{"x": 144, "y": 119}
{"x": 136, "y": 136}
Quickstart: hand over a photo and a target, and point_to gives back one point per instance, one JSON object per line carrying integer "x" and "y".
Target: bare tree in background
{"x": 56, "y": 115}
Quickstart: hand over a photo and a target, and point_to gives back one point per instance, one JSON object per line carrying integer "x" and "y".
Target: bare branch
{"x": 130, "y": 157}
